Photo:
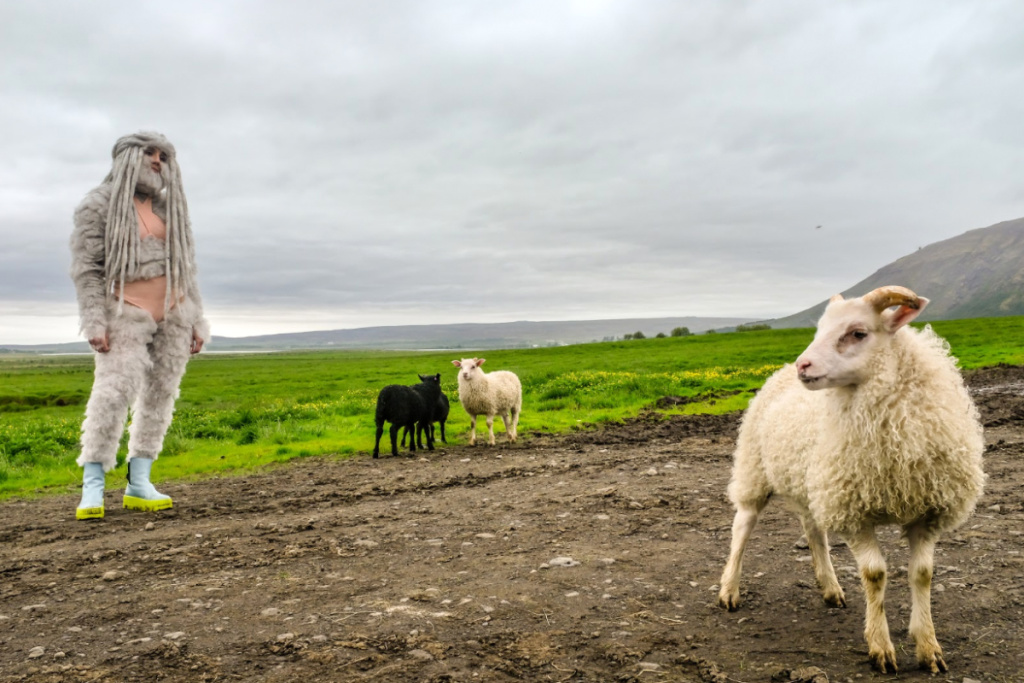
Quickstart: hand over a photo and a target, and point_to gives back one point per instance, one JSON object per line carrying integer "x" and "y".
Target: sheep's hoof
{"x": 729, "y": 601}
{"x": 837, "y": 599}
{"x": 884, "y": 661}
{"x": 933, "y": 662}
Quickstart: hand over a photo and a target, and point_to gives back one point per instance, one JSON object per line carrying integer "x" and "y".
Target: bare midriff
{"x": 148, "y": 294}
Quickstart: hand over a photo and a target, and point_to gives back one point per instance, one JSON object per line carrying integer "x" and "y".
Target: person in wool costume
{"x": 133, "y": 265}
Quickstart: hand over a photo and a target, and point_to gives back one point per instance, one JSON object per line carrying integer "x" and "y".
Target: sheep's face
{"x": 851, "y": 334}
{"x": 469, "y": 368}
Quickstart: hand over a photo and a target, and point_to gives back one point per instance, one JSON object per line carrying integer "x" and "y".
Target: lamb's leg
{"x": 472, "y": 430}
{"x": 824, "y": 572}
{"x": 376, "y": 445}
{"x": 394, "y": 439}
{"x": 742, "y": 526}
{"x": 922, "y": 549}
{"x": 427, "y": 430}
{"x": 510, "y": 429}
{"x": 490, "y": 429}
{"x": 515, "y": 425}
{"x": 871, "y": 563}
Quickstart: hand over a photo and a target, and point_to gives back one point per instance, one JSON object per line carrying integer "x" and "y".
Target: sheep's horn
{"x": 893, "y": 295}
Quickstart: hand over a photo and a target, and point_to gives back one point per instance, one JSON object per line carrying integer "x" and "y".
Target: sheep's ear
{"x": 480, "y": 361}
{"x": 456, "y": 363}
{"x": 896, "y": 318}
{"x": 437, "y": 377}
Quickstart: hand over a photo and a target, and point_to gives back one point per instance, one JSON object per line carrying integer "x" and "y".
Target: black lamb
{"x": 408, "y": 407}
{"x": 440, "y": 416}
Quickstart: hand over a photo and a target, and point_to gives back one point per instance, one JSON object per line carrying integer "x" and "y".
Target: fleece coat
{"x": 88, "y": 260}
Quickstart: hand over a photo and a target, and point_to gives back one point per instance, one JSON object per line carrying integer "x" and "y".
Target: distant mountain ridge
{"x": 979, "y": 274}
{"x": 520, "y": 334}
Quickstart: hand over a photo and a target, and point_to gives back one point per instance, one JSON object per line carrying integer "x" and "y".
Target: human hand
{"x": 100, "y": 344}
{"x": 197, "y": 343}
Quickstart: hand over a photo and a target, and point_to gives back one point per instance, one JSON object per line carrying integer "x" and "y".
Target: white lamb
{"x": 887, "y": 434}
{"x": 497, "y": 393}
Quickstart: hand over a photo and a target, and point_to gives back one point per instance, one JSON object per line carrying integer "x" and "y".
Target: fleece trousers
{"x": 142, "y": 370}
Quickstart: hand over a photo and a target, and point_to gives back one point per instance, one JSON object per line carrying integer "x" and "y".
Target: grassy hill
{"x": 979, "y": 274}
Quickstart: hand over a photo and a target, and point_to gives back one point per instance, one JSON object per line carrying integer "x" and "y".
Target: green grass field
{"x": 240, "y": 412}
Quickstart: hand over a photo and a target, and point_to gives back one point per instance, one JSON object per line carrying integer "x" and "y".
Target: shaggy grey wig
{"x": 122, "y": 233}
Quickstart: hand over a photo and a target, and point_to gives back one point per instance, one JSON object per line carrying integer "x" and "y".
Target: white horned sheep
{"x": 495, "y": 393}
{"x": 887, "y": 434}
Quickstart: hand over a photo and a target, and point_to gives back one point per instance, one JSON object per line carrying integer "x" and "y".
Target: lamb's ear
{"x": 480, "y": 361}
{"x": 456, "y": 363}
{"x": 896, "y": 318}
{"x": 437, "y": 377}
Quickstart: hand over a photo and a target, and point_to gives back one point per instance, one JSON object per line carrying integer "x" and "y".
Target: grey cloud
{"x": 459, "y": 161}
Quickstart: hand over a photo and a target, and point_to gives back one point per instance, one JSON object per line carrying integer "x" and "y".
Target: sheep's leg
{"x": 490, "y": 429}
{"x": 515, "y": 424}
{"x": 472, "y": 430}
{"x": 510, "y": 428}
{"x": 871, "y": 563}
{"x": 824, "y": 572}
{"x": 922, "y": 550}
{"x": 426, "y": 429}
{"x": 394, "y": 439}
{"x": 376, "y": 445}
{"x": 742, "y": 526}
{"x": 414, "y": 437}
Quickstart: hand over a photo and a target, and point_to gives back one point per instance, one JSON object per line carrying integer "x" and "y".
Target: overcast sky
{"x": 350, "y": 164}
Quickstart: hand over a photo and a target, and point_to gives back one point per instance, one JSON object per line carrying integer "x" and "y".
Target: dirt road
{"x": 593, "y": 557}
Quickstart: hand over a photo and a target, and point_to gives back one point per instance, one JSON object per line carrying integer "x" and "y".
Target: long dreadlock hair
{"x": 122, "y": 233}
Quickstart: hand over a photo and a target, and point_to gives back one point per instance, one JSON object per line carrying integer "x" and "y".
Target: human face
{"x": 151, "y": 176}
{"x": 157, "y": 158}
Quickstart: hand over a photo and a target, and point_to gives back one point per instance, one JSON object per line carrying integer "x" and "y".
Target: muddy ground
{"x": 446, "y": 568}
